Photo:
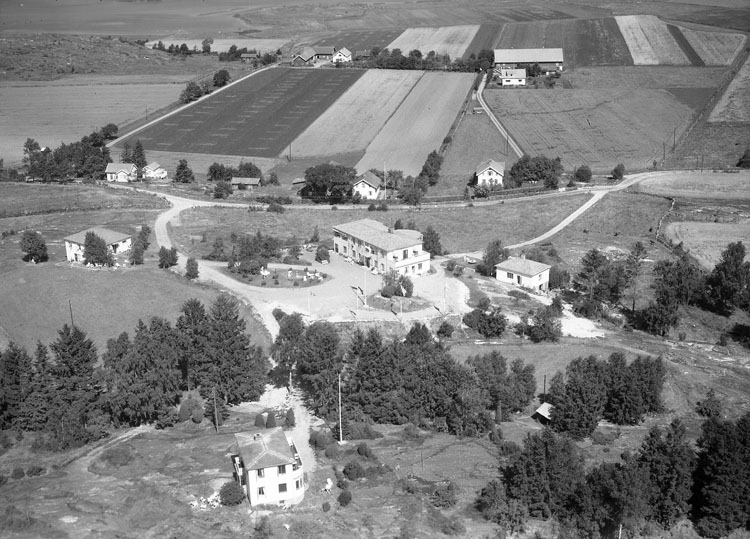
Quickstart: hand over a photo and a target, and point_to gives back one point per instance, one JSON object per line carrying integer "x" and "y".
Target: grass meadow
{"x": 461, "y": 229}
{"x": 706, "y": 241}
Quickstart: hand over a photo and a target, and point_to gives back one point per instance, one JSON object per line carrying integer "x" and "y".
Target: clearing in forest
{"x": 419, "y": 125}
{"x": 352, "y": 122}
{"x": 450, "y": 40}
{"x": 650, "y": 41}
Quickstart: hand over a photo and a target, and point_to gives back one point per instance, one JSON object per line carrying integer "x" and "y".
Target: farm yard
{"x": 650, "y": 41}
{"x": 705, "y": 241}
{"x": 450, "y": 40}
{"x": 461, "y": 229}
{"x": 419, "y": 125}
{"x": 596, "y": 127}
{"x": 358, "y": 40}
{"x": 87, "y": 108}
{"x": 259, "y": 116}
{"x": 734, "y": 105}
{"x": 354, "y": 120}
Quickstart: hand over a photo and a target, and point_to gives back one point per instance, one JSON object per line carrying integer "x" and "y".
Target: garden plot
{"x": 596, "y": 127}
{"x": 450, "y": 40}
{"x": 715, "y": 48}
{"x": 734, "y": 105}
{"x": 354, "y": 120}
{"x": 650, "y": 42}
{"x": 419, "y": 125}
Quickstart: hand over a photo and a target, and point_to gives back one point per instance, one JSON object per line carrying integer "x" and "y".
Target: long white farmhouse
{"x": 268, "y": 468}
{"x": 377, "y": 246}
{"x": 524, "y": 273}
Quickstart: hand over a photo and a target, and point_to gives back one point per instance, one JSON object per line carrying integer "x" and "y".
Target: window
{"x": 282, "y": 469}
{"x": 260, "y": 473}
{"x": 509, "y": 275}
{"x": 282, "y": 487}
{"x": 405, "y": 253}
{"x": 419, "y": 266}
{"x": 298, "y": 484}
{"x": 261, "y": 491}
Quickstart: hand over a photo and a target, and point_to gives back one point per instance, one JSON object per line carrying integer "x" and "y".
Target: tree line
{"x": 62, "y": 394}
{"x": 664, "y": 481}
{"x": 395, "y": 59}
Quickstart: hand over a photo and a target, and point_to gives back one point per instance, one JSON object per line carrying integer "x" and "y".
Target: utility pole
{"x": 341, "y": 426}
{"x": 70, "y": 306}
{"x": 664, "y": 151}
{"x": 216, "y": 410}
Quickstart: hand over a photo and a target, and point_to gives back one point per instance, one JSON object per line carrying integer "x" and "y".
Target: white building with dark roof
{"x": 490, "y": 173}
{"x": 368, "y": 186}
{"x": 377, "y": 246}
{"x": 268, "y": 467}
{"x": 153, "y": 171}
{"x": 117, "y": 242}
{"x": 524, "y": 273}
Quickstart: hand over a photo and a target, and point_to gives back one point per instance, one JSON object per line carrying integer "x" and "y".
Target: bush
{"x": 353, "y": 470}
{"x": 445, "y": 330}
{"x": 321, "y": 254}
{"x": 332, "y": 451}
{"x": 326, "y": 507}
{"x": 231, "y": 493}
{"x": 583, "y": 174}
{"x": 518, "y": 294}
{"x": 618, "y": 172}
{"x": 191, "y": 268}
{"x": 18, "y": 473}
{"x": 271, "y": 421}
{"x": 290, "y": 421}
{"x": 445, "y": 496}
{"x": 360, "y": 431}
{"x": 186, "y": 409}
{"x": 454, "y": 526}
{"x": 34, "y": 471}
{"x": 345, "y": 498}
{"x": 275, "y": 207}
{"x": 117, "y": 456}
{"x": 364, "y": 450}
{"x": 450, "y": 265}
{"x": 166, "y": 419}
{"x": 372, "y": 207}
{"x": 3, "y": 480}
{"x": 507, "y": 448}
{"x": 260, "y": 421}
{"x": 320, "y": 439}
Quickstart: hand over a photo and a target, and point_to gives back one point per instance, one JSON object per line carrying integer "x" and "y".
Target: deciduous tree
{"x": 32, "y": 243}
{"x": 431, "y": 242}
{"x": 95, "y": 250}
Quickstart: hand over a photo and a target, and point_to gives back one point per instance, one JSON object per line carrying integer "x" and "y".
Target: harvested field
{"x": 649, "y": 41}
{"x": 450, "y": 40}
{"x": 223, "y": 45}
{"x": 738, "y": 19}
{"x": 645, "y": 77}
{"x": 258, "y": 117}
{"x": 359, "y": 40}
{"x": 706, "y": 241}
{"x": 585, "y": 42}
{"x": 715, "y": 48}
{"x": 485, "y": 38}
{"x": 709, "y": 185}
{"x": 734, "y": 105}
{"x": 419, "y": 125}
{"x": 597, "y": 127}
{"x": 685, "y": 45}
{"x": 695, "y": 98}
{"x": 87, "y": 108}
{"x": 461, "y": 229}
{"x": 354, "y": 120}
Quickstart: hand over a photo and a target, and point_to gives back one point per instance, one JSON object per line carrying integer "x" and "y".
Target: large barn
{"x": 548, "y": 59}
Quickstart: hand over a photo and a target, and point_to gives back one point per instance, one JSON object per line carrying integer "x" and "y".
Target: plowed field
{"x": 258, "y": 117}
{"x": 352, "y": 122}
{"x": 419, "y": 125}
{"x": 358, "y": 40}
{"x": 600, "y": 127}
{"x": 715, "y": 48}
{"x": 585, "y": 42}
{"x": 450, "y": 40}
{"x": 650, "y": 41}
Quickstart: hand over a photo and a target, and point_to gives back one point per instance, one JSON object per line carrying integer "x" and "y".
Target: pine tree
{"x": 139, "y": 156}
{"x": 624, "y": 401}
{"x": 431, "y": 242}
{"x": 191, "y": 268}
{"x": 319, "y": 362}
{"x": 578, "y": 410}
{"x": 193, "y": 330}
{"x": 127, "y": 154}
{"x": 15, "y": 370}
{"x": 36, "y": 406}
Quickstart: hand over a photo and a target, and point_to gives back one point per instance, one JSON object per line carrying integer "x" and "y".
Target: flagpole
{"x": 341, "y": 426}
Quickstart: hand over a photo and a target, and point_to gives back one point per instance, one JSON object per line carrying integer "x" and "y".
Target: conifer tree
{"x": 139, "y": 156}
{"x": 15, "y": 367}
{"x": 193, "y": 330}
{"x": 578, "y": 410}
{"x": 37, "y": 403}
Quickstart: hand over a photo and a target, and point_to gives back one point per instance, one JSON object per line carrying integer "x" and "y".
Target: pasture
{"x": 353, "y": 121}
{"x": 87, "y": 108}
{"x": 596, "y": 127}
{"x": 450, "y": 40}
{"x": 585, "y": 42}
{"x": 257, "y": 117}
{"x": 650, "y": 41}
{"x": 734, "y": 104}
{"x": 705, "y": 240}
{"x": 461, "y": 229}
{"x": 709, "y": 185}
{"x": 357, "y": 40}
{"x": 419, "y": 125}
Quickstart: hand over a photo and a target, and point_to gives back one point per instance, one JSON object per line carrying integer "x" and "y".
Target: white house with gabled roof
{"x": 268, "y": 467}
{"x": 121, "y": 172}
{"x": 490, "y": 173}
{"x": 379, "y": 247}
{"x": 512, "y": 77}
{"x": 368, "y": 186}
{"x": 117, "y": 242}
{"x": 520, "y": 271}
{"x": 153, "y": 171}
{"x": 342, "y": 55}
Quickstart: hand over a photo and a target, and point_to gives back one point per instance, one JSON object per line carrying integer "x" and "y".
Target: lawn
{"x": 259, "y": 116}
{"x": 461, "y": 229}
{"x": 26, "y": 199}
{"x": 104, "y": 302}
{"x": 420, "y": 124}
{"x": 599, "y": 128}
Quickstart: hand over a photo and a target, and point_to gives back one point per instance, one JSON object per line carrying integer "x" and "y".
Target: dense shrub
{"x": 3, "y": 479}
{"x": 445, "y": 496}
{"x": 166, "y": 419}
{"x": 271, "y": 421}
{"x": 360, "y": 431}
{"x": 18, "y": 473}
{"x": 231, "y": 493}
{"x": 454, "y": 526}
{"x": 320, "y": 439}
{"x": 445, "y": 330}
{"x": 34, "y": 471}
{"x": 275, "y": 207}
{"x": 332, "y": 451}
{"x": 267, "y": 199}
{"x": 290, "y": 421}
{"x": 364, "y": 450}
{"x": 353, "y": 470}
{"x": 260, "y": 421}
{"x": 321, "y": 254}
{"x": 326, "y": 507}
{"x": 345, "y": 498}
{"x": 450, "y": 265}
{"x": 507, "y": 448}
{"x": 120, "y": 455}
{"x": 190, "y": 408}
